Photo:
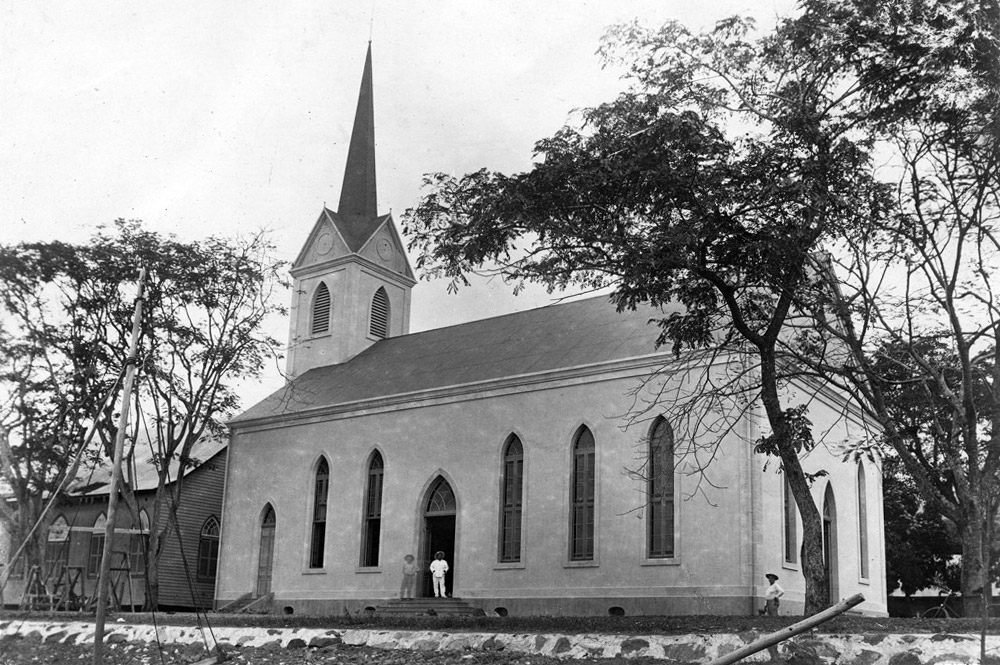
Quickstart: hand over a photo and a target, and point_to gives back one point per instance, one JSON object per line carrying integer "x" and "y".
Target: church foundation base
{"x": 595, "y": 606}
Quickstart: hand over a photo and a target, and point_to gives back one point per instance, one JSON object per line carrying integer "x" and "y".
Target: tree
{"x": 915, "y": 299}
{"x": 204, "y": 312}
{"x": 711, "y": 184}
{"x": 50, "y": 387}
{"x": 918, "y": 546}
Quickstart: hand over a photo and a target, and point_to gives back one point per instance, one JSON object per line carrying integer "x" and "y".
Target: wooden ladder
{"x": 65, "y": 587}
{"x": 36, "y": 594}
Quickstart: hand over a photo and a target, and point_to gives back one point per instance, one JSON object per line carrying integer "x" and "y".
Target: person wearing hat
{"x": 438, "y": 568}
{"x": 771, "y": 596}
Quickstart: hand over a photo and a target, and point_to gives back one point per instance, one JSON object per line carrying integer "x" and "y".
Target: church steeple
{"x": 352, "y": 279}
{"x": 358, "y": 196}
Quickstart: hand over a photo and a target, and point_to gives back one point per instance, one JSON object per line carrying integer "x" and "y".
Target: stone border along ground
{"x": 806, "y": 649}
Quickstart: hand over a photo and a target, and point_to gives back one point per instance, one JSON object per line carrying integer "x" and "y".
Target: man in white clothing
{"x": 438, "y": 568}
{"x": 771, "y": 596}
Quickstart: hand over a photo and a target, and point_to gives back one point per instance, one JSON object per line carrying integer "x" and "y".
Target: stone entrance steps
{"x": 450, "y": 606}
{"x": 247, "y": 604}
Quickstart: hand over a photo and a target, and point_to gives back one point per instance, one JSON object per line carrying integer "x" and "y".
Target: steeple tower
{"x": 358, "y": 195}
{"x": 352, "y": 279}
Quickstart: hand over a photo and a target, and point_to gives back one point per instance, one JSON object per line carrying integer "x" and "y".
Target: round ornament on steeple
{"x": 324, "y": 243}
{"x": 384, "y": 249}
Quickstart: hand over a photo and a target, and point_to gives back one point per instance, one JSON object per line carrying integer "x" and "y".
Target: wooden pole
{"x": 116, "y": 471}
{"x": 790, "y": 631}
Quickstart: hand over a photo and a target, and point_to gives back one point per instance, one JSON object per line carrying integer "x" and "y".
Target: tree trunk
{"x": 814, "y": 569}
{"x": 813, "y": 565}
{"x": 973, "y": 560}
{"x": 153, "y": 570}
{"x": 34, "y": 545}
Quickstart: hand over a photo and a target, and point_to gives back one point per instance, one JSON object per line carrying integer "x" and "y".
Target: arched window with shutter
{"x": 139, "y": 544}
{"x": 373, "y": 511}
{"x": 582, "y": 499}
{"x": 379, "y": 322}
{"x": 96, "y": 546}
{"x": 320, "y": 310}
{"x": 863, "y": 520}
{"x": 320, "y": 491}
{"x": 208, "y": 549}
{"x": 57, "y": 546}
{"x": 511, "y": 491}
{"x": 790, "y": 522}
{"x": 660, "y": 491}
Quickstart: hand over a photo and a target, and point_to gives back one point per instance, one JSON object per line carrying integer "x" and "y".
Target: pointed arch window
{"x": 789, "y": 521}
{"x": 139, "y": 545}
{"x": 321, "y": 489}
{"x": 660, "y": 491}
{"x": 57, "y": 546}
{"x": 373, "y": 512}
{"x": 321, "y": 310}
{"x": 862, "y": 521}
{"x": 441, "y": 500}
{"x": 96, "y": 546}
{"x": 208, "y": 549}
{"x": 511, "y": 490}
{"x": 379, "y": 325}
{"x": 830, "y": 553}
{"x": 582, "y": 501}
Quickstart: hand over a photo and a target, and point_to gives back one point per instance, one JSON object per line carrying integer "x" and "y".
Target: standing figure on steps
{"x": 409, "y": 578}
{"x": 438, "y": 568}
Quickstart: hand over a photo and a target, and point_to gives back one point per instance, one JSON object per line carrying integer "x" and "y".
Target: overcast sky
{"x": 227, "y": 116}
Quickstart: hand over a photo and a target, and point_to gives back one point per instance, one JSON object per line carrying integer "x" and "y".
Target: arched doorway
{"x": 439, "y": 508}
{"x": 266, "y": 559}
{"x": 830, "y": 542}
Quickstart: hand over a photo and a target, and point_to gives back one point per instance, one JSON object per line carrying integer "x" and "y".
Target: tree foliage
{"x": 919, "y": 549}
{"x": 711, "y": 183}
{"x": 68, "y": 312}
{"x": 916, "y": 300}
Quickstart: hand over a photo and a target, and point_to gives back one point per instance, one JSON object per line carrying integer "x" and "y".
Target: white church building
{"x": 506, "y": 444}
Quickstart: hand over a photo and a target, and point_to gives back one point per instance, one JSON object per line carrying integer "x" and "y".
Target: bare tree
{"x": 204, "y": 314}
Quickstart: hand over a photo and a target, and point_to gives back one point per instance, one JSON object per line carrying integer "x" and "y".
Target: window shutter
{"x": 321, "y": 310}
{"x": 380, "y": 315}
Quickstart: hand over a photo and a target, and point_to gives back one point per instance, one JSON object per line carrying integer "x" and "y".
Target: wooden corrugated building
{"x": 188, "y": 563}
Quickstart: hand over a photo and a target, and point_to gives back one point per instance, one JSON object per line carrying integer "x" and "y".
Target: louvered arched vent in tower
{"x": 321, "y": 310}
{"x": 380, "y": 314}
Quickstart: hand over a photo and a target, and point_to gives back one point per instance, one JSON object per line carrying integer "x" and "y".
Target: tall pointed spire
{"x": 357, "y": 196}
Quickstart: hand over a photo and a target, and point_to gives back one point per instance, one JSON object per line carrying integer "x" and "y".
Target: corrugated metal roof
{"x": 568, "y": 335}
{"x": 96, "y": 483}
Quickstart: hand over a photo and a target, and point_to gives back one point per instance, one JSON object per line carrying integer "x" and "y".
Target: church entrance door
{"x": 266, "y": 553}
{"x": 440, "y": 510}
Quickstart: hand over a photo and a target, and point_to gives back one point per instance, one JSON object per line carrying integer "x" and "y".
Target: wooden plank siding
{"x": 202, "y": 499}
{"x": 80, "y": 516}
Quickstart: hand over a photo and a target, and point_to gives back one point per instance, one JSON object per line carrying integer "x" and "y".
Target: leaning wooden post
{"x": 790, "y": 631}
{"x": 116, "y": 470}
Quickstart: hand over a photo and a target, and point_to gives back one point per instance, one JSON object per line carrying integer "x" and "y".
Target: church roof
{"x": 564, "y": 336}
{"x": 356, "y": 230}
